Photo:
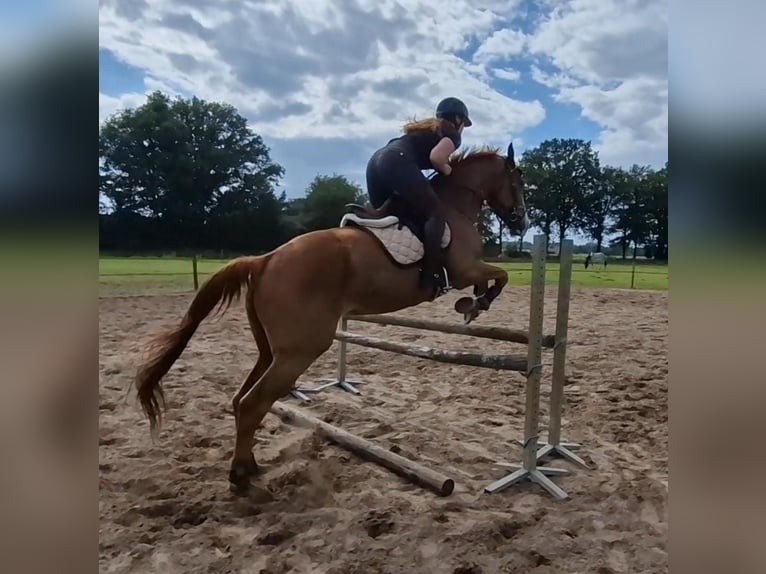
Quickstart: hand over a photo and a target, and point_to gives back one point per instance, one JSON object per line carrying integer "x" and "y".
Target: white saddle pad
{"x": 401, "y": 244}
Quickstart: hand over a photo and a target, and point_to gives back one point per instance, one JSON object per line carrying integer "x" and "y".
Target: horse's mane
{"x": 465, "y": 156}
{"x": 476, "y": 152}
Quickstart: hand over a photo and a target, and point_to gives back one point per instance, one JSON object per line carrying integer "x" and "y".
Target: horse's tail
{"x": 225, "y": 285}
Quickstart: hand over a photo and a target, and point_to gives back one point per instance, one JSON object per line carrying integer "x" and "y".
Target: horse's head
{"x": 505, "y": 195}
{"x": 493, "y": 179}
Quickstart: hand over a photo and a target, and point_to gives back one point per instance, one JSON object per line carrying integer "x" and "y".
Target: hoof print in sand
{"x": 378, "y": 523}
{"x": 510, "y": 529}
{"x": 468, "y": 569}
{"x": 538, "y": 559}
{"x": 275, "y": 538}
{"x": 191, "y": 516}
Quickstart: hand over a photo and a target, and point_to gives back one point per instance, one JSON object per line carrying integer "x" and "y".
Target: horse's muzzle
{"x": 517, "y": 221}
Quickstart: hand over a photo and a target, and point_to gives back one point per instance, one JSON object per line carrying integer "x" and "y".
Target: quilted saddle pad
{"x": 402, "y": 245}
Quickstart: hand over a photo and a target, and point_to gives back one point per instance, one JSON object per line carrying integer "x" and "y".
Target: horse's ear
{"x": 510, "y": 158}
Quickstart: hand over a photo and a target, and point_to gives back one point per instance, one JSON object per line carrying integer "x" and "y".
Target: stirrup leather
{"x": 446, "y": 288}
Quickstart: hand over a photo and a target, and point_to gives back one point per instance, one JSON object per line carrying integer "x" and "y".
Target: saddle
{"x": 400, "y": 234}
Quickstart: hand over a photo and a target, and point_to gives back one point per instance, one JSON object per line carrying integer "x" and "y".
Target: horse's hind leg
{"x": 299, "y": 301}
{"x": 289, "y": 362}
{"x": 264, "y": 360}
{"x": 264, "y": 353}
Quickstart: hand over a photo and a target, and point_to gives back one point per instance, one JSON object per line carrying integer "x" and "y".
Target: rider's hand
{"x": 446, "y": 169}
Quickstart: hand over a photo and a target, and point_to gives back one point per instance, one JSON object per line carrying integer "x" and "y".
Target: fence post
{"x": 529, "y": 469}
{"x": 633, "y": 272}
{"x": 558, "y": 376}
{"x": 559, "y": 352}
{"x": 342, "y": 359}
{"x": 194, "y": 271}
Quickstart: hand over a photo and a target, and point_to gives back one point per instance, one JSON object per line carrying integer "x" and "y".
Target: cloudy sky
{"x": 327, "y": 81}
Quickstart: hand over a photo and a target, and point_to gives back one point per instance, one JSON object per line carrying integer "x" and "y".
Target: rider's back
{"x": 419, "y": 138}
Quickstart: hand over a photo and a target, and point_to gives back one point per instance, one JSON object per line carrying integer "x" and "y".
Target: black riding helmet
{"x": 453, "y": 107}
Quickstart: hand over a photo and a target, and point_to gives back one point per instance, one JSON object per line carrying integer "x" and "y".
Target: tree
{"x": 657, "y": 207}
{"x": 600, "y": 201}
{"x": 632, "y": 220}
{"x": 560, "y": 174}
{"x": 294, "y": 215}
{"x": 540, "y": 205}
{"x": 326, "y": 198}
{"x": 194, "y": 166}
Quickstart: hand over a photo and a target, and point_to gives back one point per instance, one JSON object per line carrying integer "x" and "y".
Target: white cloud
{"x": 552, "y": 80}
{"x": 605, "y": 40}
{"x": 634, "y": 115}
{"x": 356, "y": 70}
{"x": 507, "y": 74}
{"x": 502, "y": 44}
{"x": 610, "y": 58}
{"x": 107, "y": 105}
{"x": 321, "y": 68}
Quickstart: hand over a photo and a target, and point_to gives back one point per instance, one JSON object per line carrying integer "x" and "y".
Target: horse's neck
{"x": 463, "y": 196}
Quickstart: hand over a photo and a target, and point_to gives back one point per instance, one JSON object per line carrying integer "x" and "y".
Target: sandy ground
{"x": 166, "y": 506}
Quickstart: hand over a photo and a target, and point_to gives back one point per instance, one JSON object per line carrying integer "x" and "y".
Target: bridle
{"x": 515, "y": 216}
{"x": 519, "y": 211}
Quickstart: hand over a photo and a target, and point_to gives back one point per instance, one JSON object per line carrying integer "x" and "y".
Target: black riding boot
{"x": 433, "y": 276}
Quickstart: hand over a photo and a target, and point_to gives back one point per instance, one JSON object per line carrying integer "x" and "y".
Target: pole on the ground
{"x": 409, "y": 469}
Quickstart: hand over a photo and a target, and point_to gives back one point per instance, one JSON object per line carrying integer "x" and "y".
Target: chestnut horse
{"x": 297, "y": 293}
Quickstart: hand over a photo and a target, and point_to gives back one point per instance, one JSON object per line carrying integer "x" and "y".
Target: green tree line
{"x": 186, "y": 174}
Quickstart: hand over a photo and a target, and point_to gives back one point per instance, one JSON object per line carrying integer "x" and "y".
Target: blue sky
{"x": 326, "y": 82}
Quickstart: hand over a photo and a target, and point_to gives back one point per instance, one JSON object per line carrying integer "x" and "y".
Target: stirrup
{"x": 446, "y": 288}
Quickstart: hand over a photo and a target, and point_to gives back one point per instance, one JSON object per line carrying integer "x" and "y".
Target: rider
{"x": 396, "y": 168}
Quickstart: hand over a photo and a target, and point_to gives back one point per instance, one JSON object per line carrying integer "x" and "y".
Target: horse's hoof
{"x": 259, "y": 495}
{"x": 468, "y": 317}
{"x": 465, "y": 305}
{"x": 252, "y": 466}
{"x": 240, "y": 474}
{"x": 239, "y": 489}
{"x": 471, "y": 315}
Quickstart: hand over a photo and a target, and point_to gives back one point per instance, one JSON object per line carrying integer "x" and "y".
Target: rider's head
{"x": 454, "y": 111}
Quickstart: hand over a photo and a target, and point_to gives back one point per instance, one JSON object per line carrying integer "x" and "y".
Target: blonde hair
{"x": 433, "y": 124}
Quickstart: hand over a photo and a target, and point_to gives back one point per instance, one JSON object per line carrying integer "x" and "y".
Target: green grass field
{"x": 616, "y": 274}
{"x": 136, "y": 274}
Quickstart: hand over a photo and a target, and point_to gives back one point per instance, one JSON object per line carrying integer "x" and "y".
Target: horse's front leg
{"x": 480, "y": 288}
{"x": 479, "y": 275}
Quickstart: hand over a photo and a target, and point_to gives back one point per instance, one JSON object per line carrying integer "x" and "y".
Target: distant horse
{"x": 596, "y": 259}
{"x": 297, "y": 293}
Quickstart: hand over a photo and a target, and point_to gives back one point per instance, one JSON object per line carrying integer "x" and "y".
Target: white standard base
{"x": 563, "y": 449}
{"x": 348, "y": 386}
{"x": 537, "y": 475}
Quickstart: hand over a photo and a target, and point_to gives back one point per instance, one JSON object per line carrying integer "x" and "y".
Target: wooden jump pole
{"x": 410, "y": 470}
{"x": 479, "y": 331}
{"x": 529, "y": 469}
{"x": 499, "y": 362}
{"x": 482, "y": 360}
{"x": 343, "y": 336}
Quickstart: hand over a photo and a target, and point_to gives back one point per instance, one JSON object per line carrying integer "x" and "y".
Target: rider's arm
{"x": 440, "y": 155}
